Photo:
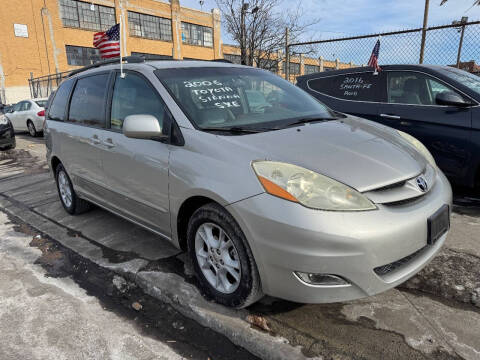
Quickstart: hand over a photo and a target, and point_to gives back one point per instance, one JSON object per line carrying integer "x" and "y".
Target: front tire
{"x": 223, "y": 262}
{"x": 69, "y": 199}
{"x": 31, "y": 129}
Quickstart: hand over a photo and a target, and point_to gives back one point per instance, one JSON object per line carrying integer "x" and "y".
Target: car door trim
{"x": 388, "y": 103}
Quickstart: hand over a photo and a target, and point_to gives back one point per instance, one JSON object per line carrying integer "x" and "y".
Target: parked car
{"x": 294, "y": 201}
{"x": 28, "y": 115}
{"x": 438, "y": 105}
{"x": 7, "y": 135}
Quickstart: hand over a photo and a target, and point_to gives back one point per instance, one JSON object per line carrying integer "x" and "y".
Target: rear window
{"x": 360, "y": 86}
{"x": 41, "y": 103}
{"x": 57, "y": 109}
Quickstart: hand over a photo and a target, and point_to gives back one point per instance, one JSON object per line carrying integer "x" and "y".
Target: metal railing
{"x": 43, "y": 86}
{"x": 455, "y": 44}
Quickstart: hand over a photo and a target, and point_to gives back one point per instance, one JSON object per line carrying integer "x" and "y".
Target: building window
{"x": 82, "y": 15}
{"x": 311, "y": 69}
{"x": 294, "y": 68}
{"x": 236, "y": 59}
{"x": 82, "y": 56}
{"x": 197, "y": 35}
{"x": 151, "y": 56}
{"x": 149, "y": 27}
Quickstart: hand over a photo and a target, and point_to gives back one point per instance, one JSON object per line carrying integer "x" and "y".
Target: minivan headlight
{"x": 297, "y": 184}
{"x": 419, "y": 146}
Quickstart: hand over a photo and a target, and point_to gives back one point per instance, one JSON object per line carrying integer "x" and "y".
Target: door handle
{"x": 405, "y": 123}
{"x": 109, "y": 143}
{"x": 389, "y": 116}
{"x": 95, "y": 140}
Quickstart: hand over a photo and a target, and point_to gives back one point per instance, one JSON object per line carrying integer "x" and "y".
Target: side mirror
{"x": 450, "y": 98}
{"x": 143, "y": 126}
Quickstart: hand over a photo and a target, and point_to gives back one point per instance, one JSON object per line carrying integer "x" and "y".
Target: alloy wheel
{"x": 65, "y": 189}
{"x": 217, "y": 258}
{"x": 31, "y": 128}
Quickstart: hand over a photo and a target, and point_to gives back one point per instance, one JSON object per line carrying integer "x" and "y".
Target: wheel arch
{"x": 54, "y": 162}
{"x": 185, "y": 212}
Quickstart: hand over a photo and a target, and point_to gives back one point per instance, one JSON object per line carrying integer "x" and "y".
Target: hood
{"x": 360, "y": 153}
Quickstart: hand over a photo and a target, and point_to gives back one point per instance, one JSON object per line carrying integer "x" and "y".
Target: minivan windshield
{"x": 465, "y": 78}
{"x": 240, "y": 98}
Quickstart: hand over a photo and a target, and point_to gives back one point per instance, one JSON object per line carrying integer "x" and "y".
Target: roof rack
{"x": 129, "y": 59}
{"x": 126, "y": 59}
{"x": 222, "y": 60}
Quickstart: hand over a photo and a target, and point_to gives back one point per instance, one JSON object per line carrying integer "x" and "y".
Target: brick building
{"x": 40, "y": 37}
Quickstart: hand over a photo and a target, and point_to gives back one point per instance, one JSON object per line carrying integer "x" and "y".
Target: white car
{"x": 28, "y": 115}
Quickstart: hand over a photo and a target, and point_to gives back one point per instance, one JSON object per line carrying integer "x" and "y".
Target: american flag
{"x": 108, "y": 42}
{"x": 373, "y": 62}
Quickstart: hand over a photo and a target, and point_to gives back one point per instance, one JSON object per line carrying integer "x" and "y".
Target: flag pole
{"x": 376, "y": 72}
{"x": 122, "y": 74}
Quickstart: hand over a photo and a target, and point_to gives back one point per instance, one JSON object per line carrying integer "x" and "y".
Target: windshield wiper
{"x": 233, "y": 129}
{"x": 310, "y": 120}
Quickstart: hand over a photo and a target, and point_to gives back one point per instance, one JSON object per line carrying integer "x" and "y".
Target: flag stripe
{"x": 373, "y": 61}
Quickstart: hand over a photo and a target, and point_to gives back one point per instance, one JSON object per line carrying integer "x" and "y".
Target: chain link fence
{"x": 442, "y": 45}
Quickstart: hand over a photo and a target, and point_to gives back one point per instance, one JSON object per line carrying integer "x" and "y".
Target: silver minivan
{"x": 268, "y": 190}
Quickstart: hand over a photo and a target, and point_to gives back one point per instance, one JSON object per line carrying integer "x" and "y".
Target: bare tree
{"x": 258, "y": 27}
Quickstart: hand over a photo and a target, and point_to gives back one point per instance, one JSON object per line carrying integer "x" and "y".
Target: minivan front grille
{"x": 388, "y": 268}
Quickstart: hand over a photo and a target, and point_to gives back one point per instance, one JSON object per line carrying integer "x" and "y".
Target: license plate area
{"x": 438, "y": 224}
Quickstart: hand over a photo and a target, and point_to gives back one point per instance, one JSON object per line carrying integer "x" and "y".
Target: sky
{"x": 340, "y": 18}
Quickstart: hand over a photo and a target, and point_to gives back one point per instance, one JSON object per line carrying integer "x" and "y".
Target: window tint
{"x": 57, "y": 108}
{"x": 18, "y": 106}
{"x": 408, "y": 87}
{"x": 133, "y": 95}
{"x": 88, "y": 101}
{"x": 27, "y": 105}
{"x": 359, "y": 86}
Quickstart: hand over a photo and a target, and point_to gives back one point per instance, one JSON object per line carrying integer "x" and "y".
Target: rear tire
{"x": 69, "y": 199}
{"x": 31, "y": 129}
{"x": 226, "y": 273}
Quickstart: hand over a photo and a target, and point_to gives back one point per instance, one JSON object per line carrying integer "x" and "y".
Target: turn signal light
{"x": 41, "y": 113}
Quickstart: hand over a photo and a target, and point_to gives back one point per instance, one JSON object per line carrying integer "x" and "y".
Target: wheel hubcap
{"x": 65, "y": 190}
{"x": 31, "y": 129}
{"x": 217, "y": 258}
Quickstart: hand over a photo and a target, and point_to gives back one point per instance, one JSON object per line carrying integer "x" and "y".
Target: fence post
{"x": 321, "y": 63}
{"x": 287, "y": 57}
{"x": 337, "y": 64}
{"x": 462, "y": 32}
{"x": 424, "y": 31}
{"x": 30, "y": 83}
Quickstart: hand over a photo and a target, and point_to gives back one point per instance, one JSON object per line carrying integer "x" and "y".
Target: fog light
{"x": 321, "y": 279}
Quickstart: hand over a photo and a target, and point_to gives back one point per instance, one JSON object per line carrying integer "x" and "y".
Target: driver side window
{"x": 412, "y": 88}
{"x": 132, "y": 95}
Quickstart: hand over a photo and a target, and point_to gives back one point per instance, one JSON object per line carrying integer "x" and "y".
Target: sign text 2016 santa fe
{"x": 351, "y": 86}
{"x": 214, "y": 92}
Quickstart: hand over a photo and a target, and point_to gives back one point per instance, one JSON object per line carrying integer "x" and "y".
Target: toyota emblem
{"x": 422, "y": 184}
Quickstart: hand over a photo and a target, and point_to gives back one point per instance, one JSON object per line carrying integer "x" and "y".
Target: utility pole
{"x": 462, "y": 32}
{"x": 424, "y": 30}
{"x": 287, "y": 56}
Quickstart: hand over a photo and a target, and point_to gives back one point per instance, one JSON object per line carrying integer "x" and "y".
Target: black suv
{"x": 438, "y": 105}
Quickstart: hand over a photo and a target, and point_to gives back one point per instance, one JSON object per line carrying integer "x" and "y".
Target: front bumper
{"x": 287, "y": 237}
